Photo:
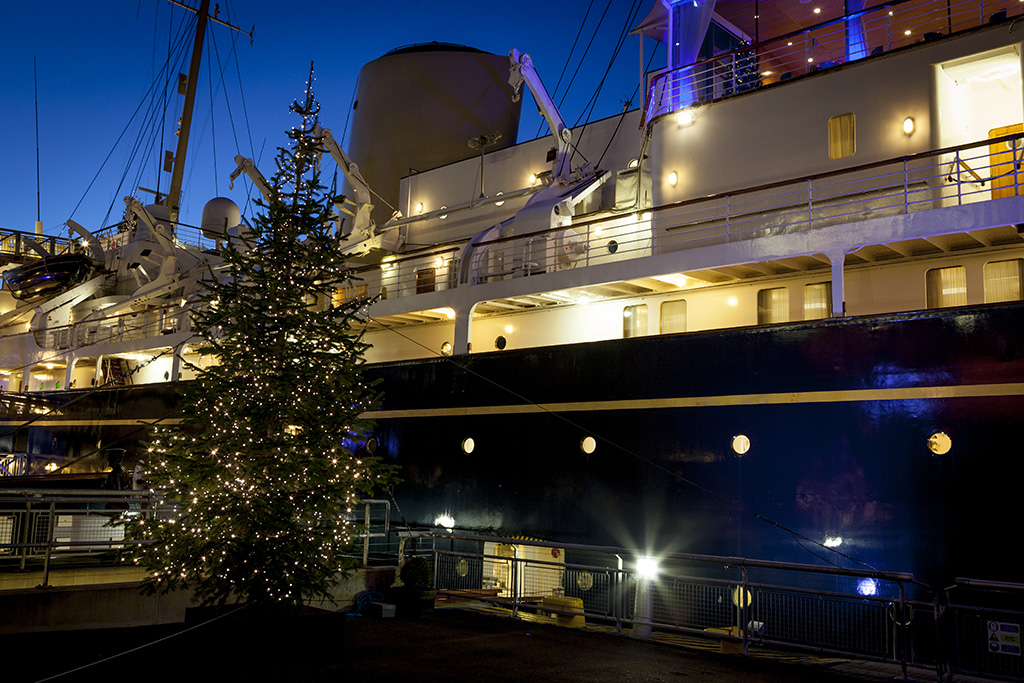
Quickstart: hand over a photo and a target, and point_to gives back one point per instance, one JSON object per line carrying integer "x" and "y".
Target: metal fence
{"x": 835, "y": 41}
{"x": 41, "y": 530}
{"x": 883, "y": 616}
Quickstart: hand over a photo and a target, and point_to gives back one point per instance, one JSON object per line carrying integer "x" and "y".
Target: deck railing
{"x": 879, "y": 29}
{"x": 952, "y": 176}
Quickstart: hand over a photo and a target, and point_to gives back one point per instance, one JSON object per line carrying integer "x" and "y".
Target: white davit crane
{"x": 521, "y": 70}
{"x": 248, "y": 166}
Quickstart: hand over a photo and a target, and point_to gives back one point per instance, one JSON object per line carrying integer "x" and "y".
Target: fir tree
{"x": 258, "y": 470}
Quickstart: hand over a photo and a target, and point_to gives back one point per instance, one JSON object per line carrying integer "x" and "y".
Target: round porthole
{"x": 371, "y": 445}
{"x": 939, "y": 443}
{"x": 500, "y": 343}
{"x": 446, "y": 349}
{"x": 740, "y": 444}
{"x": 613, "y": 246}
{"x": 588, "y": 445}
{"x": 468, "y": 445}
{"x": 462, "y": 567}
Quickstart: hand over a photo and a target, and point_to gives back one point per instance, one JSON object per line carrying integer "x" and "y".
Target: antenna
{"x": 35, "y": 85}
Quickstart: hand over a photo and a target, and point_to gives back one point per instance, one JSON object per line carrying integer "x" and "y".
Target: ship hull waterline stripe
{"x": 782, "y": 398}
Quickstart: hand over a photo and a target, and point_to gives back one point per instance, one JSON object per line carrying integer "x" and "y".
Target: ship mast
{"x": 173, "y": 200}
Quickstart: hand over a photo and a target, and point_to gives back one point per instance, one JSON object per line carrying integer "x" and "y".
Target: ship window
{"x": 818, "y": 301}
{"x": 947, "y": 287}
{"x": 842, "y": 136}
{"x": 634, "y": 321}
{"x": 673, "y": 316}
{"x": 426, "y": 279}
{"x": 772, "y": 306}
{"x": 1003, "y": 281}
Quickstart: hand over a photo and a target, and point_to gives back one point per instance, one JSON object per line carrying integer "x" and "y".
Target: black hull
{"x": 838, "y": 414}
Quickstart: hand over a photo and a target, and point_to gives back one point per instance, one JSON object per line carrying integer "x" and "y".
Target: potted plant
{"x": 416, "y": 595}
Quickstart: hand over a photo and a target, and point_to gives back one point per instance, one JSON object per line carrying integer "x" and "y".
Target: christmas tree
{"x": 262, "y": 469}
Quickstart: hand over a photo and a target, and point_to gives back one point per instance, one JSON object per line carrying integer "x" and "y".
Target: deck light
{"x": 500, "y": 202}
{"x": 444, "y": 215}
{"x": 685, "y": 117}
{"x": 419, "y": 208}
{"x": 673, "y": 178}
{"x": 908, "y": 126}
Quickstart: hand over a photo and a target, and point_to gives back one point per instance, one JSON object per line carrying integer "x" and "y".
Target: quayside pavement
{"x": 463, "y": 643}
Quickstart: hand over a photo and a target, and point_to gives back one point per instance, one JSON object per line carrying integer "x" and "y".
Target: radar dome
{"x": 219, "y": 215}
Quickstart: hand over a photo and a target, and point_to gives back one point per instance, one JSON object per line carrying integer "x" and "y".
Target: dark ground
{"x": 448, "y": 645}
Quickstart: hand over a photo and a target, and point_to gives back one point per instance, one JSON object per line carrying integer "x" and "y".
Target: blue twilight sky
{"x": 96, "y": 60}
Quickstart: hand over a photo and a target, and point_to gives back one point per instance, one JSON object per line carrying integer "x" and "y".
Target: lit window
{"x": 772, "y": 306}
{"x": 1003, "y": 281}
{"x": 818, "y": 301}
{"x": 842, "y": 136}
{"x": 673, "y": 316}
{"x": 947, "y": 287}
{"x": 634, "y": 321}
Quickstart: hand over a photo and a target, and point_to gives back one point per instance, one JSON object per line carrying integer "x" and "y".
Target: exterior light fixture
{"x": 817, "y": 10}
{"x": 444, "y": 215}
{"x": 908, "y": 126}
{"x": 907, "y": 32}
{"x": 673, "y": 178}
{"x": 499, "y": 203}
{"x": 740, "y": 444}
{"x": 446, "y": 349}
{"x": 939, "y": 443}
{"x": 766, "y": 73}
{"x": 685, "y": 117}
{"x": 647, "y": 567}
{"x": 419, "y": 208}
{"x": 533, "y": 178}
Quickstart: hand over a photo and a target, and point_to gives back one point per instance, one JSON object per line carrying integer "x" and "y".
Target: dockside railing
{"x": 742, "y": 603}
{"x": 41, "y": 530}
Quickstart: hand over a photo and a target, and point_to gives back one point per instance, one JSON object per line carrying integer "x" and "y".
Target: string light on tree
{"x": 258, "y": 469}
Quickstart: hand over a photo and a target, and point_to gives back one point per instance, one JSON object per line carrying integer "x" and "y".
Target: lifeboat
{"x": 47, "y": 277}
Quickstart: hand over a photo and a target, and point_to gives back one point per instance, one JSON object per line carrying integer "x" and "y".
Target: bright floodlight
{"x": 867, "y": 587}
{"x": 647, "y": 567}
{"x": 445, "y": 521}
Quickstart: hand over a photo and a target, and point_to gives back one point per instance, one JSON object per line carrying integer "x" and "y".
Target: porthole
{"x": 939, "y": 443}
{"x": 500, "y": 343}
{"x": 462, "y": 567}
{"x": 740, "y": 444}
{"x": 371, "y": 445}
{"x": 446, "y": 349}
{"x": 468, "y": 444}
{"x": 613, "y": 246}
{"x": 588, "y": 445}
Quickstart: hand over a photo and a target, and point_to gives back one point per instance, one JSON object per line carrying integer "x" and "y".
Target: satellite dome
{"x": 219, "y": 215}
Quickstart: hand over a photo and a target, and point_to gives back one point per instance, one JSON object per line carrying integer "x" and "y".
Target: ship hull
{"x": 838, "y": 414}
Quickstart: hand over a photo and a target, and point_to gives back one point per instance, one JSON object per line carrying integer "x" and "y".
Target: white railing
{"x": 879, "y": 29}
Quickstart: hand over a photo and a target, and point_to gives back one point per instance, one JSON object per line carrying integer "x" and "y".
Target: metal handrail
{"x": 806, "y": 50}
